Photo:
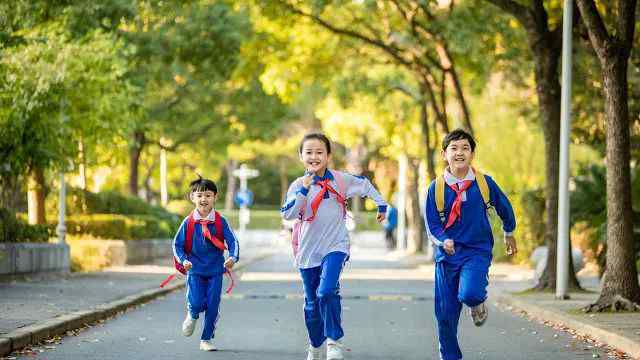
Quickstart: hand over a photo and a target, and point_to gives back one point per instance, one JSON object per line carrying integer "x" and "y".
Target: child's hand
{"x": 449, "y": 247}
{"x": 381, "y": 216}
{"x": 229, "y": 263}
{"x": 187, "y": 265}
{"x": 307, "y": 179}
{"x": 510, "y": 245}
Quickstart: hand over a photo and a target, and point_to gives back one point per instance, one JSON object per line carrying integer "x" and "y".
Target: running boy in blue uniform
{"x": 462, "y": 234}
{"x": 205, "y": 263}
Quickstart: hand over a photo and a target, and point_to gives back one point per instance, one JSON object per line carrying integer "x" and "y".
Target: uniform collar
{"x": 450, "y": 179}
{"x": 210, "y": 217}
{"x": 327, "y": 175}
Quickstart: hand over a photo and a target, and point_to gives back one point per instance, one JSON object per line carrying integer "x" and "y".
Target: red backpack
{"x": 188, "y": 240}
{"x": 188, "y": 244}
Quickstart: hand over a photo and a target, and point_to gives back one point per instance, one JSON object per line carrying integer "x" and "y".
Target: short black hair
{"x": 201, "y": 184}
{"x": 319, "y": 136}
{"x": 458, "y": 134}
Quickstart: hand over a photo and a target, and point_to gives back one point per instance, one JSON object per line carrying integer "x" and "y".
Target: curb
{"x": 39, "y": 332}
{"x": 620, "y": 342}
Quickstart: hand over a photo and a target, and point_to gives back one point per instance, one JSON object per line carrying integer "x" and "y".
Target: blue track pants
{"x": 322, "y": 308}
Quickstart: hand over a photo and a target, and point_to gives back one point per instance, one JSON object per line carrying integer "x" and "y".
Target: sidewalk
{"x": 37, "y": 308}
{"x": 620, "y": 331}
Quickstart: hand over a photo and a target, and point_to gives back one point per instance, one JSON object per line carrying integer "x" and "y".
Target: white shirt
{"x": 327, "y": 232}
{"x": 451, "y": 180}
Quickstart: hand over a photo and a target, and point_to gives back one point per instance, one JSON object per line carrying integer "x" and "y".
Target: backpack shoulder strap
{"x": 440, "y": 197}
{"x": 188, "y": 240}
{"x": 304, "y": 203}
{"x": 342, "y": 187}
{"x": 484, "y": 188}
{"x": 217, "y": 223}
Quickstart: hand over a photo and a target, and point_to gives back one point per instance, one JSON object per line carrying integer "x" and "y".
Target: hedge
{"x": 118, "y": 226}
{"x": 108, "y": 202}
{"x": 14, "y": 230}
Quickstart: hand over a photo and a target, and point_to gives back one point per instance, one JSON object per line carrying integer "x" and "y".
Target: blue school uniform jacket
{"x": 207, "y": 259}
{"x": 472, "y": 230}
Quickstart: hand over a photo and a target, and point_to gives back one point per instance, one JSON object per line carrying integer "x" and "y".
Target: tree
{"x": 544, "y": 42}
{"x": 620, "y": 288}
{"x": 55, "y": 92}
{"x": 407, "y": 33}
{"x": 181, "y": 56}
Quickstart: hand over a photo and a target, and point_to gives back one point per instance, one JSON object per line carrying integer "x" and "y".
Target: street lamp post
{"x": 563, "y": 252}
{"x": 401, "y": 202}
{"x": 61, "y": 229}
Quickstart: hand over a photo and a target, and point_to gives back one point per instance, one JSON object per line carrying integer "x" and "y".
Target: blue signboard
{"x": 243, "y": 198}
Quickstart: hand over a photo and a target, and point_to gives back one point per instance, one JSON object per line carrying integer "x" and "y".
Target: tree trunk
{"x": 548, "y": 92}
{"x": 620, "y": 288}
{"x": 35, "y": 197}
{"x": 232, "y": 182}
{"x": 424, "y": 119}
{"x": 545, "y": 47}
{"x": 82, "y": 165}
{"x": 415, "y": 225}
{"x": 82, "y": 169}
{"x": 620, "y": 281}
{"x": 149, "y": 194}
{"x": 10, "y": 192}
{"x": 284, "y": 181}
{"x": 546, "y": 57}
{"x": 135, "y": 150}
{"x": 450, "y": 70}
{"x": 466, "y": 117}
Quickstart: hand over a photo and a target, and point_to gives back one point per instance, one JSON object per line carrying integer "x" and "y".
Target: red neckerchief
{"x": 315, "y": 204}
{"x": 456, "y": 208}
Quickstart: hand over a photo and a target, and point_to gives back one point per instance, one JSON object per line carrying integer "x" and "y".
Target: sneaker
{"x": 334, "y": 350}
{"x": 188, "y": 325}
{"x": 479, "y": 314}
{"x": 314, "y": 353}
{"x": 207, "y": 345}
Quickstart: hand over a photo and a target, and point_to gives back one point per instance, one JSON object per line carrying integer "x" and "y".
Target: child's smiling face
{"x": 315, "y": 156}
{"x": 458, "y": 155}
{"x": 203, "y": 201}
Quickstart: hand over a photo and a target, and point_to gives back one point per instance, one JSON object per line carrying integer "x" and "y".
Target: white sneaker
{"x": 207, "y": 345}
{"x": 314, "y": 353}
{"x": 188, "y": 325}
{"x": 334, "y": 350}
{"x": 479, "y": 314}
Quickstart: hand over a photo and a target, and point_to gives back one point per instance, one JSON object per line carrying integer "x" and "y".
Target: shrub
{"x": 15, "y": 230}
{"x": 117, "y": 226}
{"x": 590, "y": 188}
{"x": 108, "y": 202}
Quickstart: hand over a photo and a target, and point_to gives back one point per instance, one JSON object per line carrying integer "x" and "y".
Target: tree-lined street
{"x": 109, "y": 110}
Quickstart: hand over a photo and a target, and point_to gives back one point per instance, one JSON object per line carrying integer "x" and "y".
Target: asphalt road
{"x": 387, "y": 314}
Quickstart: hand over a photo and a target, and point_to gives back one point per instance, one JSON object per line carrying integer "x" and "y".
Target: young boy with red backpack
{"x": 457, "y": 208}
{"x": 321, "y": 241}
{"x": 198, "y": 250}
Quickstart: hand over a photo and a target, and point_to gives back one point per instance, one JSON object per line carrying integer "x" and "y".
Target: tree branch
{"x": 595, "y": 26}
{"x": 520, "y": 12}
{"x": 626, "y": 24}
{"x": 391, "y": 50}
